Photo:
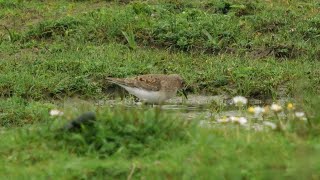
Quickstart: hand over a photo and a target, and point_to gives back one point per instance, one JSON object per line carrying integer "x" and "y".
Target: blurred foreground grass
{"x": 149, "y": 143}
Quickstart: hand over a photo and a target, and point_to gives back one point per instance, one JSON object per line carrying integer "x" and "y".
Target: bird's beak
{"x": 184, "y": 93}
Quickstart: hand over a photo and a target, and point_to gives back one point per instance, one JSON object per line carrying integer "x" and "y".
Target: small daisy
{"x": 242, "y": 120}
{"x": 251, "y": 110}
{"x": 270, "y": 124}
{"x": 290, "y": 106}
{"x": 276, "y": 108}
{"x": 301, "y": 115}
{"x": 55, "y": 112}
{"x": 233, "y": 118}
{"x": 223, "y": 120}
{"x": 240, "y": 100}
{"x": 257, "y": 110}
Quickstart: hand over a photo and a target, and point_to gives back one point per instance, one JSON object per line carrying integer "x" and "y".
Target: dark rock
{"x": 86, "y": 119}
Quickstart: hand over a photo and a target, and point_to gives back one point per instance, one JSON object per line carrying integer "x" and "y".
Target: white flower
{"x": 301, "y": 115}
{"x": 223, "y": 120}
{"x": 240, "y": 120}
{"x": 240, "y": 100}
{"x": 276, "y": 107}
{"x": 55, "y": 112}
{"x": 256, "y": 110}
{"x": 233, "y": 119}
{"x": 270, "y": 124}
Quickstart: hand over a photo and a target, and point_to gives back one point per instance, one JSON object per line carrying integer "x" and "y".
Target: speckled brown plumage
{"x": 152, "y": 82}
{"x": 162, "y": 86}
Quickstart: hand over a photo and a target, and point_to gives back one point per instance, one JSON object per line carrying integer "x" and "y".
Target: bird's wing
{"x": 147, "y": 82}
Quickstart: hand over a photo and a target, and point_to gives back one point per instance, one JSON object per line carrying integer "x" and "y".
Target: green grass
{"x": 55, "y": 50}
{"x": 122, "y": 40}
{"x": 154, "y": 146}
{"x": 81, "y": 71}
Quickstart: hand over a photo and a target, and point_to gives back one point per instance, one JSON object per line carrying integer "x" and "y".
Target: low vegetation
{"x": 147, "y": 142}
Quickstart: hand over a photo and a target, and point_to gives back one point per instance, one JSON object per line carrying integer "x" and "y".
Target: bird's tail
{"x": 118, "y": 81}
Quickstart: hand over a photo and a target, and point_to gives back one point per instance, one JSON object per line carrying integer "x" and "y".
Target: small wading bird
{"x": 152, "y": 88}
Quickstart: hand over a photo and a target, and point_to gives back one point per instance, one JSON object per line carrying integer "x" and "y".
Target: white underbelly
{"x": 150, "y": 96}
